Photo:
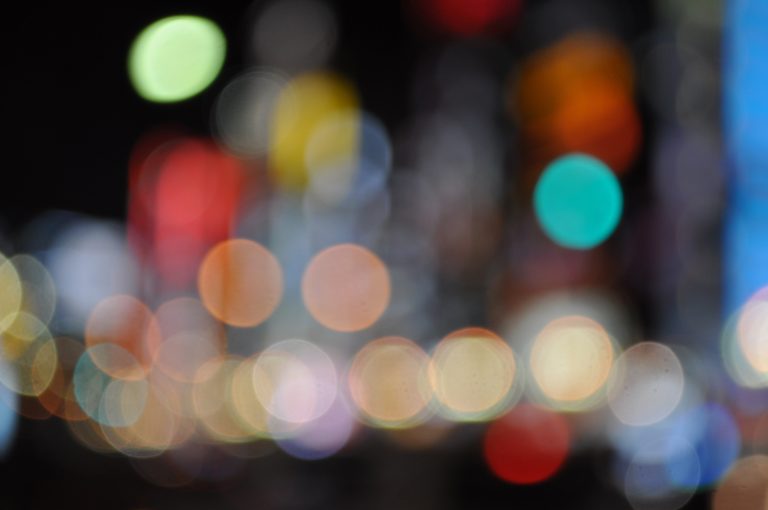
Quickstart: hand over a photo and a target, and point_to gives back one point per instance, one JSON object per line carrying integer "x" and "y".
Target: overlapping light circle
{"x": 240, "y": 282}
{"x": 389, "y": 382}
{"x": 472, "y": 373}
{"x": 648, "y": 385}
{"x": 571, "y": 360}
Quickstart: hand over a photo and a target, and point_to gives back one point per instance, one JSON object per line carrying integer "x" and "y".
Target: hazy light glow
{"x": 240, "y": 282}
{"x": 472, "y": 373}
{"x": 578, "y": 201}
{"x": 295, "y": 34}
{"x": 389, "y": 383}
{"x": 176, "y": 58}
{"x": 607, "y": 309}
{"x": 89, "y": 261}
{"x": 346, "y": 287}
{"x": 577, "y": 96}
{"x": 595, "y": 112}
{"x": 471, "y": 17}
{"x": 571, "y": 361}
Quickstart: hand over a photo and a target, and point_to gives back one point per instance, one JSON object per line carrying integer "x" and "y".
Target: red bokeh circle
{"x": 527, "y": 445}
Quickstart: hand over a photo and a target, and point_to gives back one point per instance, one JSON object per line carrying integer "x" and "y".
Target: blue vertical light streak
{"x": 745, "y": 109}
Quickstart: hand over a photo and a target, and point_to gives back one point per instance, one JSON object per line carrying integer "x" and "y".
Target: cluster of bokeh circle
{"x": 149, "y": 380}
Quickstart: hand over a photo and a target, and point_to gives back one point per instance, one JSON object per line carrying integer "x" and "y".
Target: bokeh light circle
{"x": 109, "y": 400}
{"x": 389, "y": 383}
{"x": 59, "y": 398}
{"x": 244, "y": 109}
{"x": 332, "y": 155}
{"x": 181, "y": 355}
{"x": 571, "y": 360}
{"x": 159, "y": 426}
{"x": 295, "y": 380}
{"x": 240, "y": 282}
{"x": 248, "y": 409}
{"x": 578, "y": 201}
{"x": 576, "y": 95}
{"x": 741, "y": 345}
{"x": 472, "y": 373}
{"x": 190, "y": 337}
{"x": 346, "y": 287}
{"x": 302, "y": 106}
{"x": 213, "y": 404}
{"x": 348, "y": 159}
{"x": 89, "y": 261}
{"x": 175, "y": 58}
{"x": 38, "y": 288}
{"x": 28, "y": 356}
{"x": 752, "y": 334}
{"x": 715, "y": 437}
{"x": 323, "y": 436}
{"x": 11, "y": 297}
{"x": 647, "y": 481}
{"x": 648, "y": 385}
{"x": 128, "y": 323}
{"x": 745, "y": 486}
{"x": 527, "y": 445}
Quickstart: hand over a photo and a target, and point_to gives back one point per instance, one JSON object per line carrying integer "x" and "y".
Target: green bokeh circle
{"x": 176, "y": 58}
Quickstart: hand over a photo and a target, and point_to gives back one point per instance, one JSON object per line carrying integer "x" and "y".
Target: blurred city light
{"x": 422, "y": 254}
